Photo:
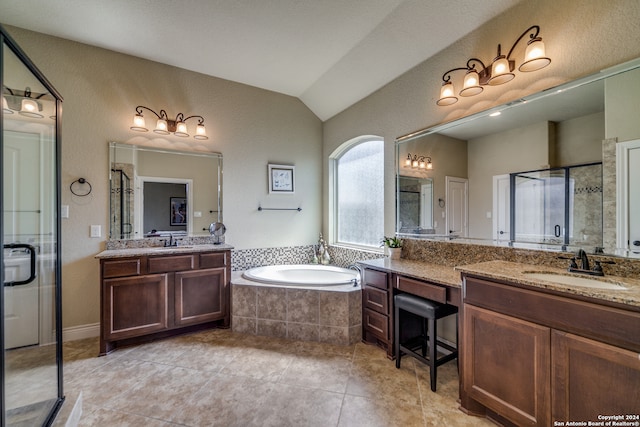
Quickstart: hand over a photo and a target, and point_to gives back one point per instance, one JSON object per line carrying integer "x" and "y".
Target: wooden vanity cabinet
{"x": 156, "y": 295}
{"x": 535, "y": 358}
{"x": 376, "y": 308}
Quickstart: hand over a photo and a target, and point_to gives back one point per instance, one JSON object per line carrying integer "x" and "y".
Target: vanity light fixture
{"x": 165, "y": 126}
{"x": 500, "y": 70}
{"x": 420, "y": 162}
{"x": 25, "y": 102}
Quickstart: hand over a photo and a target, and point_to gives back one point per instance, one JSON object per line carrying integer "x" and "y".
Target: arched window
{"x": 356, "y": 213}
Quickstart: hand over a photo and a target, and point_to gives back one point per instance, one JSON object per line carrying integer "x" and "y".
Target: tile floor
{"x": 224, "y": 378}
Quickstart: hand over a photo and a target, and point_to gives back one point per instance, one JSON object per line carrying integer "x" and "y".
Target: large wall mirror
{"x": 539, "y": 172}
{"x": 156, "y": 192}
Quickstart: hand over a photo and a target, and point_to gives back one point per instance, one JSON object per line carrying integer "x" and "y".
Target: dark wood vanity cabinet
{"x": 535, "y": 358}
{"x": 151, "y": 295}
{"x": 376, "y": 306}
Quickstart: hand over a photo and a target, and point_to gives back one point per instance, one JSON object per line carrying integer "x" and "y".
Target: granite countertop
{"x": 161, "y": 250}
{"x": 515, "y": 272}
{"x": 435, "y": 273}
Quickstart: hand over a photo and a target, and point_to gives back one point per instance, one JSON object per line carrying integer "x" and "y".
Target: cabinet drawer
{"x": 376, "y": 299}
{"x": 376, "y": 323}
{"x": 121, "y": 267}
{"x": 375, "y": 278}
{"x": 422, "y": 289}
{"x": 171, "y": 263}
{"x": 213, "y": 260}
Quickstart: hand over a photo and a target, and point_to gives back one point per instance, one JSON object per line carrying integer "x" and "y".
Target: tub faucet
{"x": 356, "y": 267}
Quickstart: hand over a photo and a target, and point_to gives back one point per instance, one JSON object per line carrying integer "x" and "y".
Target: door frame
{"x": 501, "y": 204}
{"x": 622, "y": 191}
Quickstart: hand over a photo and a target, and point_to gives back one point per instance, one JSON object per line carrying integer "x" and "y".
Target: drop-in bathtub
{"x": 306, "y": 302}
{"x": 302, "y": 275}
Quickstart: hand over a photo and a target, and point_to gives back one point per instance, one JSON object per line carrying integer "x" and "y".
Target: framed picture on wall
{"x": 178, "y": 211}
{"x": 281, "y": 179}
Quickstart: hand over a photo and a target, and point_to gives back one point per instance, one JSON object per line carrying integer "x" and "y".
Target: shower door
{"x": 30, "y": 319}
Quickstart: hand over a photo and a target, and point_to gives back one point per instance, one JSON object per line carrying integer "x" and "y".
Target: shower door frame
{"x": 6, "y": 39}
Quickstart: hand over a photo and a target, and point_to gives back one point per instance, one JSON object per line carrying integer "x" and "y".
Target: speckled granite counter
{"x": 160, "y": 250}
{"x": 515, "y": 272}
{"x": 435, "y": 273}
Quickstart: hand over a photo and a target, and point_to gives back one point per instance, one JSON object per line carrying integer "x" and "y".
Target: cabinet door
{"x": 590, "y": 378}
{"x": 134, "y": 306}
{"x": 200, "y": 296}
{"x": 506, "y": 365}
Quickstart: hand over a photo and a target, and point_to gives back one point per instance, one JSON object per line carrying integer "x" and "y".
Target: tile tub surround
{"x": 325, "y": 314}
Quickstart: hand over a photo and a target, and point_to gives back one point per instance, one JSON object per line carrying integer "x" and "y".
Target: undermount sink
{"x": 571, "y": 280}
{"x": 169, "y": 248}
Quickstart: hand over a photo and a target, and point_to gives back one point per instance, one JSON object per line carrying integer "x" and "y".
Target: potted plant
{"x": 394, "y": 244}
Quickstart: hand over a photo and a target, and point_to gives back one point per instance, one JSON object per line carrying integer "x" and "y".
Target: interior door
{"x": 457, "y": 206}
{"x": 21, "y": 152}
{"x": 634, "y": 197}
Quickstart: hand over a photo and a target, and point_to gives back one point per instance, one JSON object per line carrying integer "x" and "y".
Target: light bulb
{"x": 447, "y": 96}
{"x": 139, "y": 124}
{"x": 201, "y": 132}
{"x": 161, "y": 127}
{"x": 471, "y": 84}
{"x": 29, "y": 108}
{"x": 500, "y": 71}
{"x": 534, "y": 56}
{"x": 181, "y": 129}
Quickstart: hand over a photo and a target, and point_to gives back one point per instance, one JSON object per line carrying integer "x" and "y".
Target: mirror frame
{"x": 470, "y": 119}
{"x": 160, "y": 150}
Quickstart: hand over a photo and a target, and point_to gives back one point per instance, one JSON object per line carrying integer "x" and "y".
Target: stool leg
{"x": 432, "y": 353}
{"x": 425, "y": 334}
{"x": 396, "y": 336}
{"x": 457, "y": 346}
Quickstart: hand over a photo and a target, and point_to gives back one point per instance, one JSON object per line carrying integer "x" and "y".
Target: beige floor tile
{"x": 96, "y": 416}
{"x": 225, "y": 401}
{"x": 297, "y": 406}
{"x": 224, "y": 378}
{"x": 260, "y": 364}
{"x": 369, "y": 377}
{"x": 360, "y": 411}
{"x": 161, "y": 394}
{"x": 325, "y": 372}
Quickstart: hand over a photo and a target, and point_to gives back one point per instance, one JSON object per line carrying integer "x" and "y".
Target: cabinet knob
{"x": 636, "y": 243}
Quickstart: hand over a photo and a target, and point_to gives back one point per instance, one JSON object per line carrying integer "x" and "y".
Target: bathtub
{"x": 302, "y": 275}
{"x": 305, "y": 302}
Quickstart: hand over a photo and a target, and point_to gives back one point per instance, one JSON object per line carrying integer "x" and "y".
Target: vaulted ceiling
{"x": 328, "y": 53}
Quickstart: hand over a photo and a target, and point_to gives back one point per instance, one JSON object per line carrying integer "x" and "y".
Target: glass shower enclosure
{"x": 30, "y": 302}
{"x": 558, "y": 206}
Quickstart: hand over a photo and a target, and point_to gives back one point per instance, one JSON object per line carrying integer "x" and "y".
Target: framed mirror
{"x": 156, "y": 192}
{"x": 560, "y": 128}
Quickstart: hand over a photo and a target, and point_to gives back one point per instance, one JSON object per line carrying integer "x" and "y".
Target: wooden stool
{"x": 430, "y": 312}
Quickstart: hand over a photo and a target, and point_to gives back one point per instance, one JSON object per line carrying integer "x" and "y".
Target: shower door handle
{"x": 32, "y": 263}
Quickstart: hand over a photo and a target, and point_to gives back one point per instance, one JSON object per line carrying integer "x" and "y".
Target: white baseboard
{"x": 80, "y": 332}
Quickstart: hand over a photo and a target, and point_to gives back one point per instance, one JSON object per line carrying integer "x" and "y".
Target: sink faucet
{"x": 583, "y": 259}
{"x": 170, "y": 242}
